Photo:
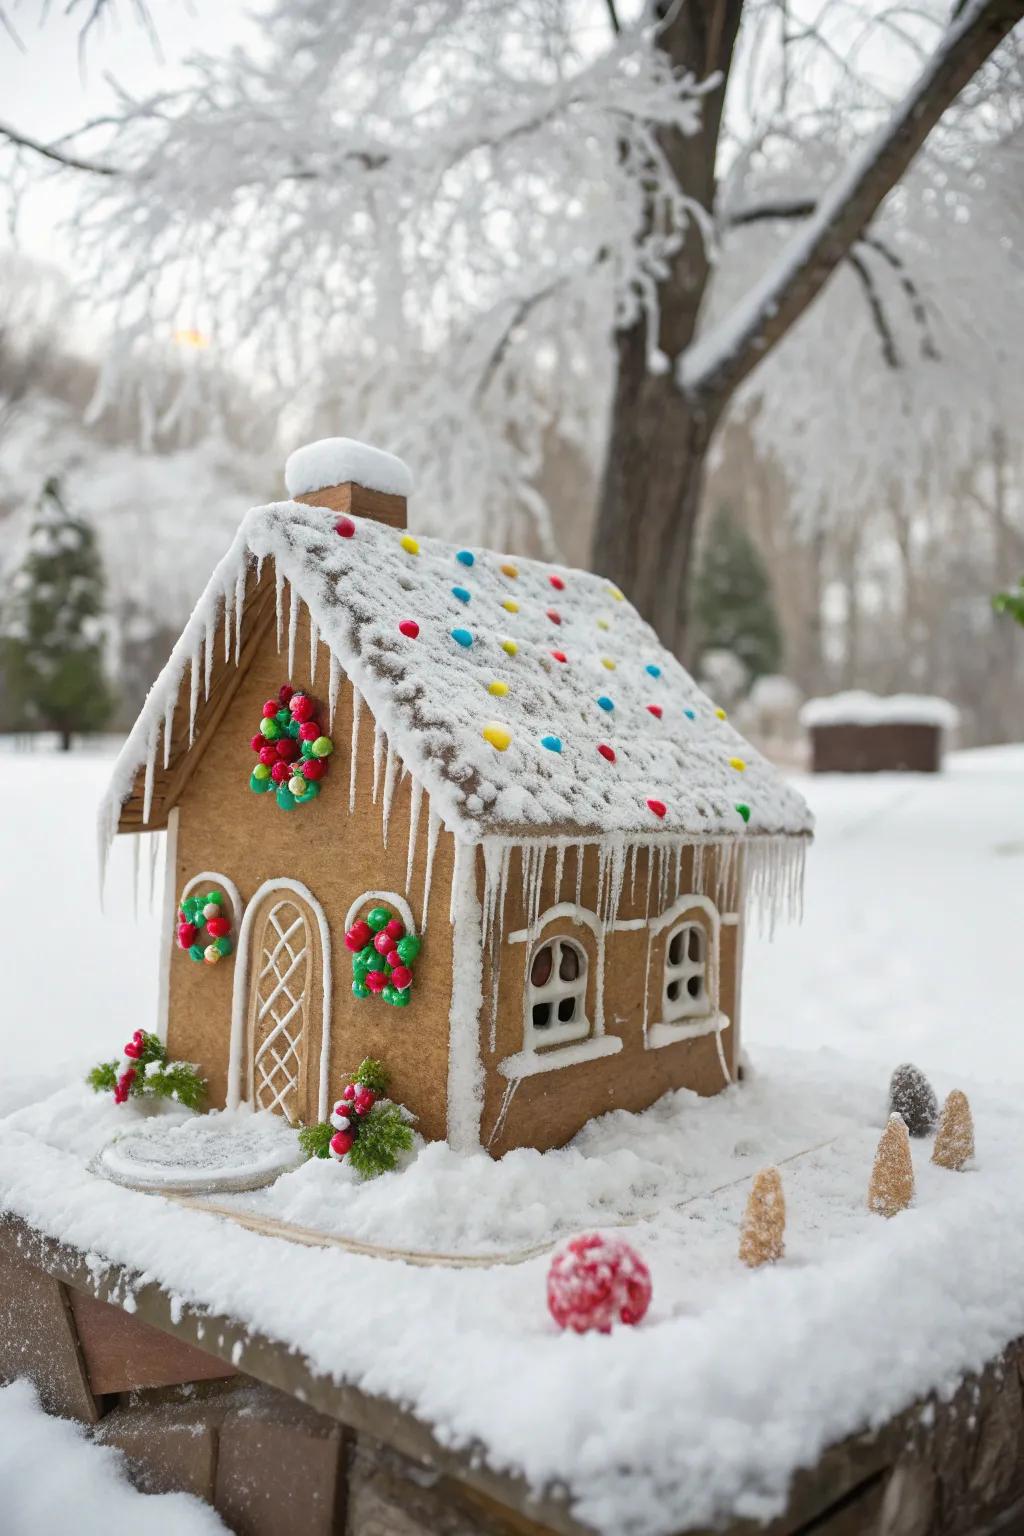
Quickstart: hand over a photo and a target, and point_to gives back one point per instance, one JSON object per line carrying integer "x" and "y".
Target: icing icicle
{"x": 239, "y": 607}
{"x": 390, "y": 779}
{"x": 193, "y": 695}
{"x": 209, "y": 641}
{"x": 433, "y": 827}
{"x": 333, "y": 689}
{"x": 294, "y": 605}
{"x": 168, "y": 728}
{"x": 314, "y": 649}
{"x": 279, "y": 602}
{"x": 415, "y": 801}
{"x": 357, "y": 709}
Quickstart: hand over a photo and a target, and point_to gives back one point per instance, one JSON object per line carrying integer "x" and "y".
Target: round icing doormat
{"x": 208, "y": 1155}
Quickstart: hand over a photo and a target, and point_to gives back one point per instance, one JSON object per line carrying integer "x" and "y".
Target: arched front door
{"x": 287, "y": 970}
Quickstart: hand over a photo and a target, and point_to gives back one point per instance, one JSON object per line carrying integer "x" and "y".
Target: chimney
{"x": 346, "y": 476}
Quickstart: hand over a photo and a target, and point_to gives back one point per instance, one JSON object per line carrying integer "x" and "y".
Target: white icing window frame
{"x": 664, "y": 1031}
{"x": 553, "y": 992}
{"x": 686, "y": 1005}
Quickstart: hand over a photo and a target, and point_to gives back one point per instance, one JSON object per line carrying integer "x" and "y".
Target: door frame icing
{"x": 240, "y": 995}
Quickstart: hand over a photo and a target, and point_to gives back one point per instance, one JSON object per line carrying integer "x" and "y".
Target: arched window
{"x": 556, "y": 993}
{"x": 686, "y": 968}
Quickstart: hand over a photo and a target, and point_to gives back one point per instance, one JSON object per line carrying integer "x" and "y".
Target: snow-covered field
{"x": 910, "y": 950}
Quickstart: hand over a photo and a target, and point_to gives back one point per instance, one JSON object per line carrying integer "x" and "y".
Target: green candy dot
{"x": 360, "y": 989}
{"x": 390, "y": 995}
{"x": 283, "y": 717}
{"x": 196, "y": 951}
{"x": 259, "y": 786}
{"x": 377, "y": 917}
{"x": 270, "y": 729}
{"x": 402, "y": 999}
{"x": 408, "y": 948}
{"x": 312, "y": 790}
{"x": 215, "y": 896}
{"x": 285, "y": 798}
{"x": 307, "y": 749}
{"x": 323, "y": 746}
{"x": 223, "y": 945}
{"x": 261, "y": 771}
{"x": 744, "y": 811}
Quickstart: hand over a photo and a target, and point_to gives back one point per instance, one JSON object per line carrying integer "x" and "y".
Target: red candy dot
{"x": 655, "y": 710}
{"x": 285, "y": 692}
{"x": 309, "y": 730}
{"x": 401, "y": 977}
{"x": 187, "y": 935}
{"x": 657, "y": 806}
{"x": 556, "y": 618}
{"x": 376, "y": 981}
{"x": 280, "y": 772}
{"x": 606, "y": 751}
{"x": 395, "y": 927}
{"x": 257, "y": 743}
{"x": 270, "y": 709}
{"x": 557, "y": 583}
{"x": 268, "y": 754}
{"x": 409, "y": 628}
{"x": 314, "y": 768}
{"x": 286, "y": 749}
{"x": 559, "y": 655}
{"x": 301, "y": 706}
{"x": 218, "y": 927}
{"x": 383, "y": 941}
{"x": 345, "y": 526}
{"x": 341, "y": 1142}
{"x": 595, "y": 1282}
{"x": 358, "y": 936}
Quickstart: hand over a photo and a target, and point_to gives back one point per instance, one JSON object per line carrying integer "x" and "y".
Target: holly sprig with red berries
{"x": 366, "y": 1129}
{"x": 382, "y": 957}
{"x": 292, "y": 749}
{"x": 145, "y": 1071}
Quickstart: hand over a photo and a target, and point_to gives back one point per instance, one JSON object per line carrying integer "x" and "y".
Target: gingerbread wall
{"x": 338, "y": 854}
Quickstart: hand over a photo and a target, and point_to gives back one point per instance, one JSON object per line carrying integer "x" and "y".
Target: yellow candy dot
{"x": 510, "y": 570}
{"x": 509, "y": 647}
{"x": 737, "y": 763}
{"x": 614, "y": 592}
{"x": 497, "y": 734}
{"x": 606, "y": 661}
{"x": 602, "y": 623}
{"x": 410, "y": 545}
{"x": 720, "y": 714}
{"x": 498, "y": 688}
{"x": 510, "y": 605}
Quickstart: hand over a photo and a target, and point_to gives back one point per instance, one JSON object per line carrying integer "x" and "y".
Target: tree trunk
{"x": 65, "y": 741}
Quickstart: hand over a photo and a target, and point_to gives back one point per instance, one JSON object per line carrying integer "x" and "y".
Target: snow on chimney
{"x": 346, "y": 476}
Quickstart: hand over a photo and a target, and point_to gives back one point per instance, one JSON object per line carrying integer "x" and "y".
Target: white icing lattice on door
{"x": 282, "y": 988}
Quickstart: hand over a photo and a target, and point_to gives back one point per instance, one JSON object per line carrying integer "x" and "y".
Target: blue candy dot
{"x": 553, "y": 743}
{"x": 605, "y": 702}
{"x": 462, "y": 637}
{"x": 690, "y": 714}
{"x": 652, "y": 670}
{"x": 466, "y": 557}
{"x": 461, "y": 594}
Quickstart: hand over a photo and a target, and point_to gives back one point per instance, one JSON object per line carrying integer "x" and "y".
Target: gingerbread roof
{"x": 529, "y": 699}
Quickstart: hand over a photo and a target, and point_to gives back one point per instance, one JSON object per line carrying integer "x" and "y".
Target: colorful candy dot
{"x": 461, "y": 593}
{"x": 498, "y": 688}
{"x": 738, "y": 764}
{"x": 560, "y": 656}
{"x": 510, "y": 570}
{"x": 345, "y": 526}
{"x": 466, "y": 557}
{"x": 509, "y": 647}
{"x": 557, "y": 583}
{"x": 655, "y": 710}
{"x": 690, "y": 714}
{"x": 602, "y": 623}
{"x": 261, "y": 771}
{"x": 553, "y": 743}
{"x": 657, "y": 806}
{"x": 409, "y": 544}
{"x": 605, "y": 703}
{"x": 614, "y": 592}
{"x": 462, "y": 637}
{"x": 497, "y": 734}
{"x": 510, "y": 605}
{"x": 554, "y": 616}
{"x": 744, "y": 811}
{"x": 652, "y": 670}
{"x": 323, "y": 746}
{"x": 409, "y": 628}
{"x": 607, "y": 752}
{"x": 719, "y": 714}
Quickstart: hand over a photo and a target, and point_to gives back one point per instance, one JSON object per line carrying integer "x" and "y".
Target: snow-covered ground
{"x": 910, "y": 950}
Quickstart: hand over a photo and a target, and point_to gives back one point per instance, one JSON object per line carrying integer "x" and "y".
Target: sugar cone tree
{"x": 892, "y": 1178}
{"x": 954, "y": 1142}
{"x": 762, "y": 1236}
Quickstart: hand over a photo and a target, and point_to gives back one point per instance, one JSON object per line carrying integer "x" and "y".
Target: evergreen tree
{"x": 733, "y": 605}
{"x": 53, "y": 629}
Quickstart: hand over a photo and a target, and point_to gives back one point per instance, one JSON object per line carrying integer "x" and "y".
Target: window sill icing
{"x": 529, "y": 1063}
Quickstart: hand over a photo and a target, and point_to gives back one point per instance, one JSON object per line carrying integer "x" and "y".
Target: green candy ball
{"x": 323, "y": 746}
{"x": 402, "y": 999}
{"x": 196, "y": 952}
{"x": 377, "y": 917}
{"x": 390, "y": 995}
{"x": 312, "y": 790}
{"x": 360, "y": 989}
{"x": 270, "y": 729}
{"x": 223, "y": 945}
{"x": 285, "y": 798}
{"x": 307, "y": 749}
{"x": 259, "y": 786}
{"x": 408, "y": 948}
{"x": 293, "y": 728}
{"x": 283, "y": 717}
{"x": 215, "y": 896}
{"x": 261, "y": 771}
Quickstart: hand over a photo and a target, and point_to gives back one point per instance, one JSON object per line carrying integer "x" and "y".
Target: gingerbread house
{"x": 519, "y": 778}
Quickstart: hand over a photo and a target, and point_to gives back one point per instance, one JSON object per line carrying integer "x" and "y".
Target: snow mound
{"x": 336, "y": 460}
{"x": 856, "y": 707}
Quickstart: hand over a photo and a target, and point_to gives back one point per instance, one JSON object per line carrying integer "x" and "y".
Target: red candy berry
{"x": 285, "y": 692}
{"x": 138, "y": 1037}
{"x": 556, "y": 618}
{"x": 133, "y": 1049}
{"x": 308, "y": 730}
{"x": 395, "y": 927}
{"x": 268, "y": 755}
{"x": 314, "y": 768}
{"x": 376, "y": 981}
{"x": 258, "y": 743}
{"x": 409, "y": 628}
{"x": 358, "y": 936}
{"x": 187, "y": 935}
{"x": 401, "y": 977}
{"x": 341, "y": 1143}
{"x": 286, "y": 749}
{"x": 280, "y": 772}
{"x": 364, "y": 1100}
{"x": 383, "y": 941}
{"x": 559, "y": 655}
{"x": 301, "y": 706}
{"x": 657, "y": 806}
{"x": 607, "y": 752}
{"x": 345, "y": 526}
{"x": 218, "y": 927}
{"x": 655, "y": 710}
{"x": 557, "y": 583}
{"x": 270, "y": 709}
{"x": 595, "y": 1282}
{"x": 349, "y": 1091}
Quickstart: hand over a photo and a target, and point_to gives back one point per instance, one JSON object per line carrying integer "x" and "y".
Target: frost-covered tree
{"x": 460, "y": 214}
{"x": 733, "y": 606}
{"x": 53, "y": 627}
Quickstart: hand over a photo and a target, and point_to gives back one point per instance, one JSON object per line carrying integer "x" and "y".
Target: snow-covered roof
{"x": 856, "y": 707}
{"x": 529, "y": 699}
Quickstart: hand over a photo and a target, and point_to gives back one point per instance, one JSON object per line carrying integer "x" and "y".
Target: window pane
{"x": 695, "y": 986}
{"x": 696, "y": 943}
{"x": 541, "y": 1015}
{"x": 675, "y": 948}
{"x": 673, "y": 991}
{"x": 569, "y": 966}
{"x": 540, "y": 971}
{"x": 566, "y": 1010}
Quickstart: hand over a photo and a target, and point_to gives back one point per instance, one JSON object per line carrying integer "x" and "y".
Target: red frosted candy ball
{"x": 309, "y": 730}
{"x": 218, "y": 927}
{"x": 401, "y": 977}
{"x": 138, "y": 1037}
{"x": 285, "y": 692}
{"x": 358, "y": 936}
{"x": 409, "y": 628}
{"x": 340, "y": 1143}
{"x": 376, "y": 981}
{"x": 280, "y": 772}
{"x": 349, "y": 1090}
{"x": 187, "y": 935}
{"x": 364, "y": 1100}
{"x": 301, "y": 706}
{"x": 345, "y": 526}
{"x": 595, "y": 1282}
{"x": 395, "y": 927}
{"x": 133, "y": 1049}
{"x": 268, "y": 755}
{"x": 315, "y": 768}
{"x": 658, "y": 807}
{"x": 257, "y": 743}
{"x": 286, "y": 749}
{"x": 383, "y": 941}
{"x": 270, "y": 709}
